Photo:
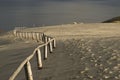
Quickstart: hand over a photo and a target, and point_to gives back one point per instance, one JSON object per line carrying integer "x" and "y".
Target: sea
{"x": 41, "y": 13}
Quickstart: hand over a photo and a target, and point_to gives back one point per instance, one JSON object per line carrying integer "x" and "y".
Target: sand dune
{"x": 84, "y": 52}
{"x": 81, "y": 30}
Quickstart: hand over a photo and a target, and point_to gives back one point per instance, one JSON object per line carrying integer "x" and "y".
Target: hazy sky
{"x": 102, "y": 1}
{"x": 49, "y": 12}
{"x": 97, "y": 2}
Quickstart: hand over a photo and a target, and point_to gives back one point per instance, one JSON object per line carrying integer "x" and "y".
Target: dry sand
{"x": 84, "y": 52}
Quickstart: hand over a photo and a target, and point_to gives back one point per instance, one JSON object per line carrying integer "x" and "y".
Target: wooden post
{"x": 54, "y": 43}
{"x": 50, "y": 45}
{"x": 23, "y": 34}
{"x": 38, "y": 37}
{"x": 39, "y": 59}
{"x": 45, "y": 55}
{"x": 30, "y": 35}
{"x": 43, "y": 37}
{"x": 33, "y": 35}
{"x": 14, "y": 32}
{"x": 28, "y": 71}
{"x": 26, "y": 35}
{"x": 20, "y": 35}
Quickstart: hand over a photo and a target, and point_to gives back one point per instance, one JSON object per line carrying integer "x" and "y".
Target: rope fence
{"x": 49, "y": 42}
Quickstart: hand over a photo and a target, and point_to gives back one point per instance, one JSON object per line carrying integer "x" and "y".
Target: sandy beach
{"x": 88, "y": 51}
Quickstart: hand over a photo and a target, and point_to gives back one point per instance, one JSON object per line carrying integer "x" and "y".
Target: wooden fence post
{"x": 33, "y": 35}
{"x": 50, "y": 45}
{"x": 43, "y": 37}
{"x": 39, "y": 59}
{"x": 45, "y": 55}
{"x": 28, "y": 71}
{"x": 54, "y": 43}
{"x": 38, "y": 37}
{"x": 30, "y": 35}
{"x": 23, "y": 34}
{"x": 14, "y": 32}
{"x": 20, "y": 35}
{"x": 26, "y": 35}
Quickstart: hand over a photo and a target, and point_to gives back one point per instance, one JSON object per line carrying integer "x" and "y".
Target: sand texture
{"x": 83, "y": 52}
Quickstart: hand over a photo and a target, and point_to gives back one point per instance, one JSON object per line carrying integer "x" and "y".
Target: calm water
{"x": 16, "y": 13}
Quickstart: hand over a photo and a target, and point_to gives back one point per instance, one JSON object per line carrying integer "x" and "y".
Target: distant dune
{"x": 113, "y": 20}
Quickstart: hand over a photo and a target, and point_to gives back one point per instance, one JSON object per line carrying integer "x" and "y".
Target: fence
{"x": 29, "y": 35}
{"x": 48, "y": 42}
{"x": 20, "y": 28}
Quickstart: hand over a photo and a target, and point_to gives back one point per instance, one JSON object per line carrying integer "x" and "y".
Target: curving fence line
{"x": 49, "y": 42}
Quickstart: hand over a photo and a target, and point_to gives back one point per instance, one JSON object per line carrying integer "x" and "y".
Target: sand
{"x": 83, "y": 52}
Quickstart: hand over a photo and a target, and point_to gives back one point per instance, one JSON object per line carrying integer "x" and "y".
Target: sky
{"x": 114, "y": 2}
{"x": 52, "y": 12}
{"x": 97, "y": 2}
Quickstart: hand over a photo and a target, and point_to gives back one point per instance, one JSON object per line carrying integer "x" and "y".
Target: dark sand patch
{"x": 11, "y": 55}
{"x": 4, "y": 42}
